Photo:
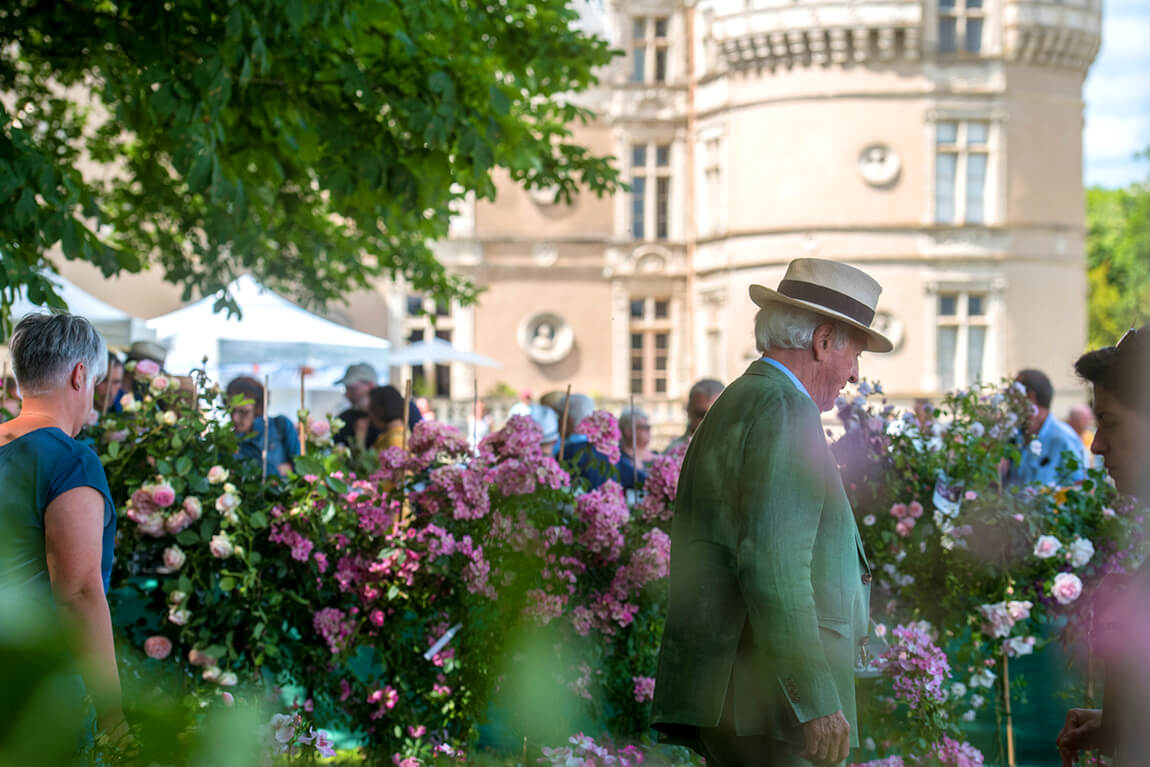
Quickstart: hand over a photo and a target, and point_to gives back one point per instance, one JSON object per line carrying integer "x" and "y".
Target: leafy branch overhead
{"x": 316, "y": 144}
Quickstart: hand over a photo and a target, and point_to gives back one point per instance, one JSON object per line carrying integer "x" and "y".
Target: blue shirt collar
{"x": 787, "y": 372}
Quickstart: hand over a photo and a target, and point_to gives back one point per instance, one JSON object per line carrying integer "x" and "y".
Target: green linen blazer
{"x": 769, "y": 587}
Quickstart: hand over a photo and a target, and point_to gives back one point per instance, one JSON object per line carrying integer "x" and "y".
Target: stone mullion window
{"x": 963, "y": 330}
{"x": 650, "y": 191}
{"x": 650, "y": 345}
{"x": 960, "y": 26}
{"x": 962, "y": 159}
{"x": 649, "y": 47}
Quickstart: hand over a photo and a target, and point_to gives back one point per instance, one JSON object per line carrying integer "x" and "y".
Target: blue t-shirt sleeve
{"x": 291, "y": 439}
{"x": 80, "y": 467}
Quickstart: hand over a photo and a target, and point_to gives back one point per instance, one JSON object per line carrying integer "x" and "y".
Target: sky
{"x": 1118, "y": 97}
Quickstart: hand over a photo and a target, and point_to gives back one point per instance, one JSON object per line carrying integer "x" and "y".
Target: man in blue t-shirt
{"x": 1046, "y": 439}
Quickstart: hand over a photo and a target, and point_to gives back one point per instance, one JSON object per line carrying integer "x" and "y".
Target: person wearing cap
{"x": 358, "y": 430}
{"x": 769, "y": 584}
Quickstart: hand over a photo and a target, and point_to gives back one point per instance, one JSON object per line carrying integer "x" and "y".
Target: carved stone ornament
{"x": 544, "y": 195}
{"x": 545, "y": 337}
{"x": 891, "y": 327}
{"x": 879, "y": 165}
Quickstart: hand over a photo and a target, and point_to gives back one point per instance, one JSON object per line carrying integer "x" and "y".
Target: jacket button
{"x": 866, "y": 579}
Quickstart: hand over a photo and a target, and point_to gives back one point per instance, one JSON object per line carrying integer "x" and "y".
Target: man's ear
{"x": 79, "y": 376}
{"x": 823, "y": 342}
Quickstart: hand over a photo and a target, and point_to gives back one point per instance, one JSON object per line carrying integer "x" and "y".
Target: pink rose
{"x": 1067, "y": 587}
{"x": 146, "y": 369}
{"x": 158, "y": 647}
{"x": 971, "y": 495}
{"x": 178, "y": 616}
{"x": 898, "y": 511}
{"x": 163, "y": 495}
{"x": 159, "y": 383}
{"x": 174, "y": 558}
{"x": 904, "y": 527}
{"x": 1046, "y": 547}
{"x": 227, "y": 679}
{"x": 177, "y": 523}
{"x": 220, "y": 546}
{"x": 226, "y": 504}
{"x": 416, "y": 731}
{"x": 915, "y": 510}
{"x": 318, "y": 428}
{"x": 202, "y": 659}
{"x": 193, "y": 508}
{"x": 153, "y": 525}
{"x": 212, "y": 674}
{"x": 227, "y": 697}
{"x": 217, "y": 474}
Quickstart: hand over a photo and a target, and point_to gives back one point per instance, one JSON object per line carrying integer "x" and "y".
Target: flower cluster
{"x": 916, "y": 667}
{"x": 585, "y": 751}
{"x": 602, "y": 431}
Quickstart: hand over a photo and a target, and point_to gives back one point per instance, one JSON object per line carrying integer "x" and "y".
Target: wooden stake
{"x": 563, "y": 422}
{"x": 475, "y": 411}
{"x": 1010, "y": 758}
{"x": 267, "y": 429}
{"x": 303, "y": 421}
{"x": 403, "y": 510}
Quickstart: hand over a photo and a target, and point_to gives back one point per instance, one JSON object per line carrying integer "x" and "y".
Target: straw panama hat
{"x": 831, "y": 289}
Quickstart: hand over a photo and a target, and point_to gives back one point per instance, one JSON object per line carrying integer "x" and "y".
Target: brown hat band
{"x": 828, "y": 298}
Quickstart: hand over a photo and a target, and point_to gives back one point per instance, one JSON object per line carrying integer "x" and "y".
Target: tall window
{"x": 961, "y": 339}
{"x": 650, "y": 191}
{"x": 650, "y": 345}
{"x": 649, "y": 49}
{"x": 961, "y": 158}
{"x": 443, "y": 372}
{"x": 960, "y": 25}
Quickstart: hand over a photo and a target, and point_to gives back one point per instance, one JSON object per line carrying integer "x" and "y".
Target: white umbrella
{"x": 437, "y": 350}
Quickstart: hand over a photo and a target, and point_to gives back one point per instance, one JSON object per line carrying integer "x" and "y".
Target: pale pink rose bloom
{"x": 915, "y": 509}
{"x": 284, "y": 727}
{"x": 163, "y": 495}
{"x": 212, "y": 674}
{"x": 318, "y": 428}
{"x": 1047, "y": 546}
{"x": 324, "y": 743}
{"x": 158, "y": 647}
{"x": 217, "y": 474}
{"x": 898, "y": 511}
{"x": 1018, "y": 518}
{"x": 146, "y": 369}
{"x": 174, "y": 558}
{"x": 1108, "y": 512}
{"x": 1019, "y": 611}
{"x": 227, "y": 679}
{"x": 153, "y": 525}
{"x": 179, "y": 616}
{"x": 880, "y": 630}
{"x": 115, "y": 436}
{"x": 202, "y": 659}
{"x": 220, "y": 546}
{"x": 868, "y": 520}
{"x": 228, "y": 698}
{"x": 1067, "y": 587}
{"x": 177, "y": 597}
{"x": 971, "y": 495}
{"x": 999, "y": 623}
{"x": 1016, "y": 647}
{"x": 193, "y": 508}
{"x": 159, "y": 383}
{"x": 227, "y": 503}
{"x": 177, "y": 523}
{"x": 93, "y": 417}
{"x": 904, "y": 527}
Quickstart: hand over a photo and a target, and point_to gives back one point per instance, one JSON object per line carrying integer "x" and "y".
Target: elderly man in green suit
{"x": 769, "y": 594}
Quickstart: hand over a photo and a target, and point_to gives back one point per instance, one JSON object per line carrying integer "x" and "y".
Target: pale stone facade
{"x": 935, "y": 143}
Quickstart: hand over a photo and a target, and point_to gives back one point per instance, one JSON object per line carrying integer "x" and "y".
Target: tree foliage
{"x": 317, "y": 145}
{"x": 1118, "y": 259}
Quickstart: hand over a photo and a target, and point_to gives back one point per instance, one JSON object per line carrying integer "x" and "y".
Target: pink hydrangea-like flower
{"x": 914, "y": 510}
{"x": 644, "y": 688}
{"x": 661, "y": 486}
{"x": 519, "y": 438}
{"x": 158, "y": 647}
{"x": 435, "y": 439}
{"x": 1067, "y": 587}
{"x": 916, "y": 667}
{"x": 416, "y": 731}
{"x": 898, "y": 510}
{"x": 466, "y": 490}
{"x": 602, "y": 431}
{"x": 335, "y": 628}
{"x": 604, "y": 512}
{"x": 904, "y": 527}
{"x": 951, "y": 753}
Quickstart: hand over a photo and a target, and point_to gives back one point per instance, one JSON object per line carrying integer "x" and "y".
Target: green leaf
{"x": 216, "y": 651}
{"x": 258, "y": 520}
{"x": 188, "y": 537}
{"x": 163, "y": 466}
{"x": 198, "y": 484}
{"x": 183, "y": 464}
{"x": 337, "y": 485}
{"x": 392, "y": 592}
{"x": 296, "y": 14}
{"x": 227, "y": 583}
{"x": 328, "y": 513}
{"x": 114, "y": 449}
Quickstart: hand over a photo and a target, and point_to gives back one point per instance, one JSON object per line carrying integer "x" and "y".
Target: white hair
{"x": 781, "y": 326}
{"x": 46, "y": 347}
{"x": 628, "y": 418}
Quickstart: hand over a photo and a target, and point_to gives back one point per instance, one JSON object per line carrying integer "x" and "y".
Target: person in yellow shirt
{"x": 385, "y": 409}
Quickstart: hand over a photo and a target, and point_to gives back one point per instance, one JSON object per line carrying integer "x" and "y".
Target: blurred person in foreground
{"x": 9, "y": 400}
{"x": 1119, "y": 375}
{"x": 1081, "y": 419}
{"x": 106, "y": 399}
{"x": 703, "y": 394}
{"x": 770, "y": 588}
{"x": 249, "y": 422}
{"x": 358, "y": 381}
{"x": 57, "y": 519}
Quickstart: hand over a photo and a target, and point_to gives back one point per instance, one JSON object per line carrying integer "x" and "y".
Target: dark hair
{"x": 114, "y": 361}
{"x": 1035, "y": 382}
{"x": 1122, "y": 369}
{"x": 386, "y": 404}
{"x": 250, "y": 388}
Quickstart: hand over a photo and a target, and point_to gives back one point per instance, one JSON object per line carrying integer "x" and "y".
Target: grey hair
{"x": 780, "y": 326}
{"x": 579, "y": 406}
{"x": 628, "y": 418}
{"x": 46, "y": 347}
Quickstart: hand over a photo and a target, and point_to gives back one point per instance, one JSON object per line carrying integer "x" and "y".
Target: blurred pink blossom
{"x": 158, "y": 647}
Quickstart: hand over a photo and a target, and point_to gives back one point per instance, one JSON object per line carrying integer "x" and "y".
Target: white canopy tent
{"x": 118, "y": 327}
{"x": 273, "y": 338}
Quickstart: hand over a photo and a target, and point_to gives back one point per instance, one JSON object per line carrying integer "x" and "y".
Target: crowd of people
{"x": 769, "y": 584}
